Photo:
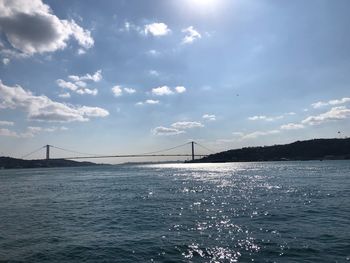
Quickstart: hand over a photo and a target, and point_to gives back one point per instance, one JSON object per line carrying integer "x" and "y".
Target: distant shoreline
{"x": 309, "y": 150}
{"x": 15, "y": 163}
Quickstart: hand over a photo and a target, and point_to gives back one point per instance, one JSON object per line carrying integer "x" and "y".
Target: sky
{"x": 127, "y": 76}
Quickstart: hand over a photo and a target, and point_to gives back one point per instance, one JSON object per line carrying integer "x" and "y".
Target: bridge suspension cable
{"x": 24, "y": 156}
{"x": 165, "y": 150}
{"x": 71, "y": 151}
{"x": 206, "y": 148}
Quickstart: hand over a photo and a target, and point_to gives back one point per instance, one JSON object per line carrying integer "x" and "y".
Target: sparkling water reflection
{"x": 233, "y": 212}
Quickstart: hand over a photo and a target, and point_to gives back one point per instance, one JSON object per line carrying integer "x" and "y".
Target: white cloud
{"x": 12, "y": 53}
{"x": 209, "y": 117}
{"x": 74, "y": 87}
{"x": 191, "y": 35}
{"x": 165, "y": 90}
{"x": 320, "y": 104}
{"x": 180, "y": 89}
{"x": 128, "y": 27}
{"x": 334, "y": 114}
{"x": 271, "y": 118}
{"x": 117, "y": 91}
{"x": 265, "y": 118}
{"x": 7, "y": 133}
{"x": 129, "y": 90}
{"x": 254, "y": 135}
{"x": 257, "y": 134}
{"x": 64, "y": 95}
{"x": 41, "y": 108}
{"x": 31, "y": 27}
{"x": 96, "y": 77}
{"x": 182, "y": 125}
{"x": 154, "y": 73}
{"x": 6, "y": 123}
{"x": 166, "y": 131}
{"x": 93, "y": 111}
{"x": 254, "y": 118}
{"x": 82, "y": 36}
{"x": 153, "y": 52}
{"x": 83, "y": 91}
{"x": 30, "y": 131}
{"x": 66, "y": 85}
{"x": 160, "y": 91}
{"x": 81, "y": 51}
{"x": 79, "y": 85}
{"x": 292, "y": 126}
{"x": 5, "y": 61}
{"x": 152, "y": 101}
{"x": 177, "y": 128}
{"x": 156, "y": 29}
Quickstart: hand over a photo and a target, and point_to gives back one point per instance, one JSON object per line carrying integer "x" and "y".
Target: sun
{"x": 202, "y": 7}
{"x": 205, "y": 3}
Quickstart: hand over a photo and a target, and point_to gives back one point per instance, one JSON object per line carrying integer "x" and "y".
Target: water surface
{"x": 233, "y": 212}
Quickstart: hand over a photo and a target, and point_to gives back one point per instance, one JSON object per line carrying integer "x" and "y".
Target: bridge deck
{"x": 130, "y": 156}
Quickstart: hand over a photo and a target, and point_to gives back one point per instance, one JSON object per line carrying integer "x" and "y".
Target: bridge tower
{"x": 47, "y": 152}
{"x": 192, "y": 144}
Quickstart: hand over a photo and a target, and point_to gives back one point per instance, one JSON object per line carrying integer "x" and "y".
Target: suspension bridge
{"x": 161, "y": 153}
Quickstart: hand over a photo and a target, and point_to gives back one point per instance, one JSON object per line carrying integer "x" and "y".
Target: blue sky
{"x": 136, "y": 76}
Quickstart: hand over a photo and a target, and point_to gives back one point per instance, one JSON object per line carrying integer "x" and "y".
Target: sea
{"x": 222, "y": 212}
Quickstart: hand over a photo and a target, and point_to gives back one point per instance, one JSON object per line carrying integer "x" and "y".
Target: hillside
{"x": 13, "y": 163}
{"x": 317, "y": 149}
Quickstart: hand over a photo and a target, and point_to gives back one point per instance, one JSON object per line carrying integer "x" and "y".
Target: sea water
{"x": 231, "y": 212}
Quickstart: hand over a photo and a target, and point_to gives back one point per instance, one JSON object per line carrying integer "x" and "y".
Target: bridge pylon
{"x": 192, "y": 146}
{"x": 47, "y": 152}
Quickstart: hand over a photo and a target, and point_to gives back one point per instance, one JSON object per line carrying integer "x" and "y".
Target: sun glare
{"x": 205, "y": 3}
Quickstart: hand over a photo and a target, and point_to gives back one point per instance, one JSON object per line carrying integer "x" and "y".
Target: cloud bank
{"x": 334, "y": 114}
{"x": 41, "y": 108}
{"x": 320, "y": 104}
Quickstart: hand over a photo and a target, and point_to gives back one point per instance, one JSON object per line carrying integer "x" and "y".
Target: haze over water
{"x": 233, "y": 212}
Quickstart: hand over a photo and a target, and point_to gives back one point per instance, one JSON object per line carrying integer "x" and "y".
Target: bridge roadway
{"x": 129, "y": 156}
